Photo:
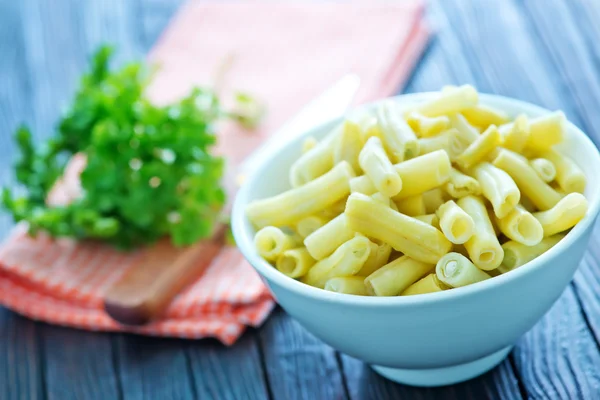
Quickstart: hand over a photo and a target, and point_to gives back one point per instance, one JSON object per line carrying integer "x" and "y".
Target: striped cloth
{"x": 284, "y": 54}
{"x": 62, "y": 282}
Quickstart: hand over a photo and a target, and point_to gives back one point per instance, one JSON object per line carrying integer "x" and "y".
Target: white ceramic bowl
{"x": 434, "y": 339}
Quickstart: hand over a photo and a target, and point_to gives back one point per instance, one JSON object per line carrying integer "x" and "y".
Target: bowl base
{"x": 443, "y": 376}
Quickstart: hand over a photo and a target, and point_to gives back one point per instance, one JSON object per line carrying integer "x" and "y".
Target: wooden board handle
{"x": 144, "y": 292}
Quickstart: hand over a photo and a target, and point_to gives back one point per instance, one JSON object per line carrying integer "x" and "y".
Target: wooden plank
{"x": 510, "y": 63}
{"x": 21, "y": 373}
{"x": 154, "y": 368}
{"x": 587, "y": 13}
{"x": 84, "y": 360}
{"x": 14, "y": 95}
{"x": 54, "y": 58}
{"x": 58, "y": 42}
{"x": 577, "y": 58}
{"x": 364, "y": 383}
{"x": 224, "y": 373}
{"x": 571, "y": 57}
{"x": 558, "y": 359}
{"x": 298, "y": 365}
{"x": 155, "y": 16}
{"x": 443, "y": 62}
{"x": 587, "y": 282}
{"x": 516, "y": 66}
{"x": 116, "y": 23}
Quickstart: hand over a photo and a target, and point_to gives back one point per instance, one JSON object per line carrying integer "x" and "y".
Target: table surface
{"x": 541, "y": 51}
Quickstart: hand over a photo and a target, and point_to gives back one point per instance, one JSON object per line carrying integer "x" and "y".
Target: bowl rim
{"x": 245, "y": 242}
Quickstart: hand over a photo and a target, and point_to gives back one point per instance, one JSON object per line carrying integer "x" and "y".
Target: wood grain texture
{"x": 518, "y": 66}
{"x": 14, "y": 92}
{"x": 21, "y": 358}
{"x": 364, "y": 383}
{"x": 145, "y": 291}
{"x": 577, "y": 66}
{"x": 154, "y": 368}
{"x": 85, "y": 359}
{"x": 558, "y": 358}
{"x": 586, "y": 284}
{"x": 298, "y": 365}
{"x": 154, "y": 16}
{"x": 508, "y": 47}
{"x": 237, "y": 368}
{"x": 574, "y": 64}
{"x": 21, "y": 361}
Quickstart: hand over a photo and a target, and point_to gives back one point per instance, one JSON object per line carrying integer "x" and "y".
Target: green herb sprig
{"x": 149, "y": 172}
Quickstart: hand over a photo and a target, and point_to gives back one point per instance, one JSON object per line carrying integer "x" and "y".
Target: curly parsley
{"x": 149, "y": 169}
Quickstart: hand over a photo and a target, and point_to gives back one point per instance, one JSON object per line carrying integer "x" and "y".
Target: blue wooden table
{"x": 542, "y": 51}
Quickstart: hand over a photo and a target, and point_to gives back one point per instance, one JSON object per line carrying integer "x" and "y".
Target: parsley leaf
{"x": 149, "y": 173}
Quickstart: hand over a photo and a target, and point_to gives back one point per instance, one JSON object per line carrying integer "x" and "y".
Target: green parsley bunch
{"x": 149, "y": 170}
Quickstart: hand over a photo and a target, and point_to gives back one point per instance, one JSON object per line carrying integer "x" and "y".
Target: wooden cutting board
{"x": 144, "y": 292}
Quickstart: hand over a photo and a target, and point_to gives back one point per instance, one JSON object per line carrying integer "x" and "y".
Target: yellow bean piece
{"x": 466, "y": 132}
{"x": 456, "y": 270}
{"x": 348, "y": 145}
{"x": 405, "y": 234}
{"x": 347, "y": 285}
{"x": 309, "y": 144}
{"x": 461, "y": 185}
{"x": 544, "y": 168}
{"x": 289, "y": 207}
{"x": 569, "y": 176}
{"x": 429, "y": 284}
{"x": 395, "y": 277}
{"x": 521, "y": 226}
{"x": 423, "y": 173}
{"x": 398, "y": 138}
{"x": 334, "y": 210}
{"x": 322, "y": 242}
{"x": 379, "y": 168}
{"x": 449, "y": 102}
{"x": 384, "y": 200}
{"x": 485, "y": 116}
{"x": 517, "y": 254}
{"x": 564, "y": 215}
{"x": 369, "y": 128}
{"x": 271, "y": 242}
{"x": 546, "y": 131}
{"x": 483, "y": 247}
{"x": 378, "y": 257}
{"x": 456, "y": 224}
{"x": 515, "y": 135}
{"x": 480, "y": 148}
{"x": 427, "y": 126}
{"x": 362, "y": 184}
{"x": 346, "y": 260}
{"x": 528, "y": 204}
{"x": 308, "y": 225}
{"x": 449, "y": 141}
{"x": 528, "y": 181}
{"x": 430, "y": 219}
{"x": 314, "y": 162}
{"x": 295, "y": 262}
{"x": 433, "y": 199}
{"x": 498, "y": 187}
{"x": 412, "y": 206}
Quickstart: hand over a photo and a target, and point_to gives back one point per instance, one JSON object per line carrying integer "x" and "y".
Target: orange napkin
{"x": 285, "y": 55}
